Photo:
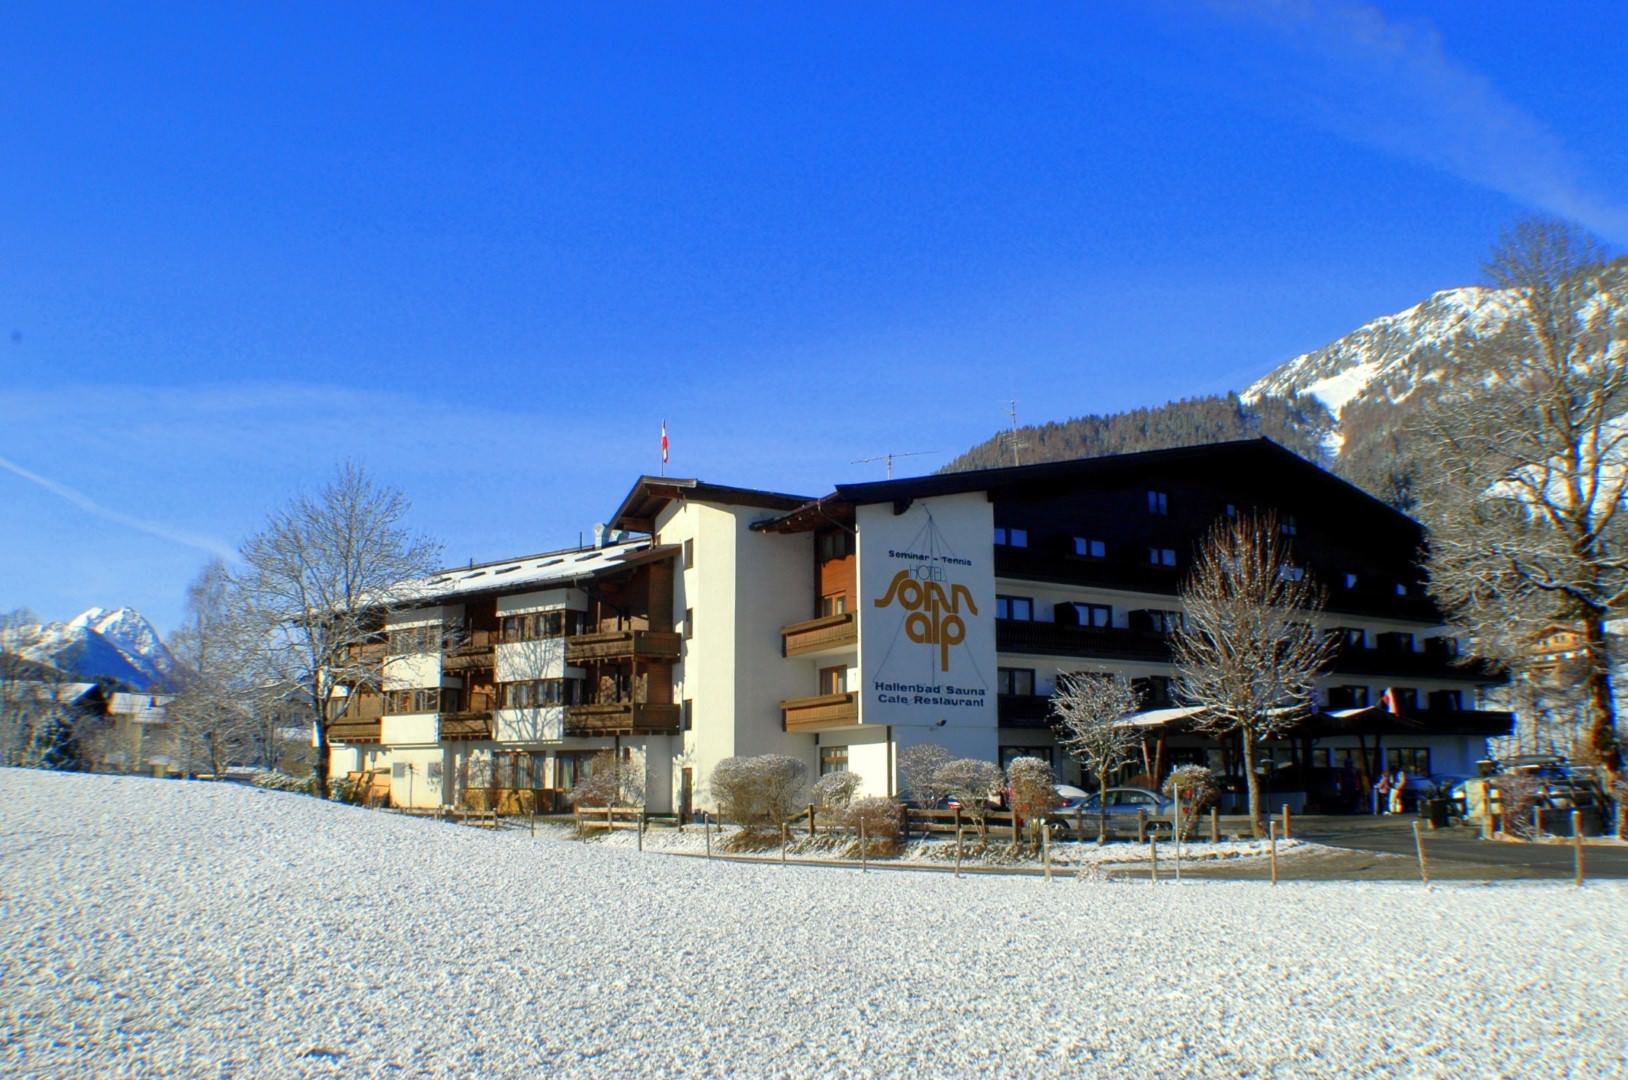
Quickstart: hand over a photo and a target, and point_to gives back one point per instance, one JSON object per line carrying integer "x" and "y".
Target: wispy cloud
{"x": 91, "y": 506}
{"x": 1390, "y": 84}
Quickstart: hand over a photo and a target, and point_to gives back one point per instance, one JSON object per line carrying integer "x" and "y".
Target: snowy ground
{"x": 156, "y": 927}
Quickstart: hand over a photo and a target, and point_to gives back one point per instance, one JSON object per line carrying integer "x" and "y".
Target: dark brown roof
{"x": 651, "y": 493}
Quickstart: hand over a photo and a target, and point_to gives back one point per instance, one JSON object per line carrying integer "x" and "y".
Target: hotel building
{"x": 714, "y": 621}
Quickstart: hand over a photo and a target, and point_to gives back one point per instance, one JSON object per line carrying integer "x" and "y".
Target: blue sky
{"x": 486, "y": 253}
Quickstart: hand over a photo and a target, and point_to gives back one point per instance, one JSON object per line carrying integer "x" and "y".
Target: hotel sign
{"x": 927, "y": 639}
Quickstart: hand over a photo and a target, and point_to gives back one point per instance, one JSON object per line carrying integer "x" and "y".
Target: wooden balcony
{"x": 465, "y": 725}
{"x": 818, "y": 635}
{"x": 621, "y": 718}
{"x": 472, "y": 654}
{"x": 351, "y": 730}
{"x": 822, "y": 712}
{"x": 662, "y": 645}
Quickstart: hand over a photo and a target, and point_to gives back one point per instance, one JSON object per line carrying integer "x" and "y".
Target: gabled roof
{"x": 650, "y": 494}
{"x": 551, "y": 569}
{"x": 1247, "y": 453}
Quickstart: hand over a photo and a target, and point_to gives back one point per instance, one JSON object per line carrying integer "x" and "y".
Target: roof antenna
{"x": 1011, "y": 437}
{"x": 889, "y": 459}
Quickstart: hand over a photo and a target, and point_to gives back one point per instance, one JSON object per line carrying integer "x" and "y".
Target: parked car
{"x": 1123, "y": 803}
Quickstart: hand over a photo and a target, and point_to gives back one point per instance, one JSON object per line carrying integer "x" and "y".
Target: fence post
{"x": 958, "y": 848}
{"x": 1045, "y": 848}
{"x": 534, "y": 819}
{"x": 1153, "y": 850}
{"x": 576, "y": 813}
{"x": 1141, "y": 825}
{"x": 1418, "y": 844}
{"x": 1287, "y": 834}
{"x": 1014, "y": 827}
{"x": 1272, "y": 841}
{"x": 1215, "y": 825}
{"x": 706, "y": 829}
{"x": 1577, "y": 845}
{"x": 641, "y": 828}
{"x": 862, "y": 845}
{"x": 785, "y": 839}
{"x": 1537, "y": 823}
{"x": 1079, "y": 823}
{"x": 811, "y": 821}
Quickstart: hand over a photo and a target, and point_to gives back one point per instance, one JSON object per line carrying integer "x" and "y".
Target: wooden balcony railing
{"x": 621, "y": 718}
{"x": 623, "y": 645}
{"x": 821, "y": 712}
{"x": 476, "y": 652}
{"x": 351, "y": 730}
{"x": 465, "y": 725}
{"x": 816, "y": 635}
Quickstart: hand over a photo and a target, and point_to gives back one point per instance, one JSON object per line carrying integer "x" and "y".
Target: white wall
{"x": 927, "y": 623}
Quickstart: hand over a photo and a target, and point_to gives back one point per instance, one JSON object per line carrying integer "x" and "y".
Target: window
{"x": 1350, "y": 581}
{"x": 1018, "y": 538}
{"x": 1163, "y": 622}
{"x": 1100, "y": 616}
{"x": 834, "y": 680}
{"x": 1291, "y": 573}
{"x": 833, "y": 759}
{"x": 1446, "y": 700}
{"x": 1348, "y": 697}
{"x": 836, "y": 544}
{"x": 1014, "y": 681}
{"x": 1231, "y": 511}
{"x": 834, "y": 604}
{"x": 415, "y": 639}
{"x": 539, "y": 693}
{"x": 1355, "y": 638}
{"x": 1401, "y": 588}
{"x": 1020, "y": 608}
{"x": 404, "y": 702}
{"x": 689, "y": 622}
{"x": 689, "y": 713}
{"x": 1414, "y": 759}
{"x": 1159, "y": 556}
{"x": 689, "y": 553}
{"x": 1158, "y": 503}
{"x": 1153, "y": 691}
{"x": 398, "y": 770}
{"x": 542, "y": 625}
{"x": 1287, "y": 526}
{"x": 1089, "y": 548}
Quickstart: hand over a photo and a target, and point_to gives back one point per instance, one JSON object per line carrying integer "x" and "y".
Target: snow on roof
{"x": 1160, "y": 717}
{"x": 141, "y": 708}
{"x": 533, "y": 571}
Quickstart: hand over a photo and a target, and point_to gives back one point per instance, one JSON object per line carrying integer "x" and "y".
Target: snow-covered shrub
{"x": 835, "y": 790}
{"x": 609, "y": 782}
{"x": 760, "y": 792}
{"x": 1195, "y": 788}
{"x": 972, "y": 784}
{"x": 918, "y": 767}
{"x": 273, "y": 780}
{"x": 1032, "y": 787}
{"x": 880, "y": 818}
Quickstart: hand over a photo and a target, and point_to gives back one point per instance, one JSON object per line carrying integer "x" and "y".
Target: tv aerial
{"x": 889, "y": 459}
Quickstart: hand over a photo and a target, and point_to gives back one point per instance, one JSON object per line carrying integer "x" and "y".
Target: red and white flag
{"x": 664, "y": 442}
{"x": 1387, "y": 700}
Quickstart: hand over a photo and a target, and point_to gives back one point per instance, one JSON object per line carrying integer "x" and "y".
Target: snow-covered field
{"x": 155, "y": 927}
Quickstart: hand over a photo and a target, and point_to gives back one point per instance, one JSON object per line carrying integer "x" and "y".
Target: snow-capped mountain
{"x": 1385, "y": 361}
{"x": 98, "y": 643}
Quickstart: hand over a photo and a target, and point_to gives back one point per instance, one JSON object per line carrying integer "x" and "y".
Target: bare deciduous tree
{"x": 1088, "y": 711}
{"x": 1530, "y": 463}
{"x": 211, "y": 711}
{"x": 1246, "y": 652}
{"x": 320, "y": 578}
